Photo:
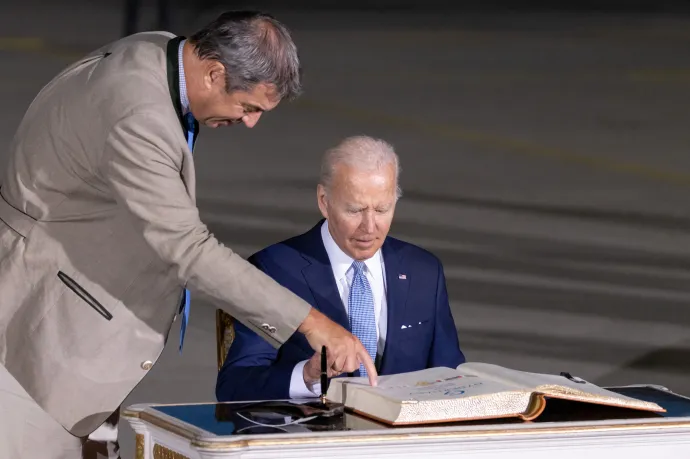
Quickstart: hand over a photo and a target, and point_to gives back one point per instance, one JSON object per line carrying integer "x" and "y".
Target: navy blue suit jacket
{"x": 416, "y": 299}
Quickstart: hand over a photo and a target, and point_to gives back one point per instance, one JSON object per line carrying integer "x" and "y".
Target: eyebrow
{"x": 252, "y": 108}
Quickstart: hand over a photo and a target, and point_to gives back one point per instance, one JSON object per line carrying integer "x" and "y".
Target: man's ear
{"x": 215, "y": 75}
{"x": 322, "y": 201}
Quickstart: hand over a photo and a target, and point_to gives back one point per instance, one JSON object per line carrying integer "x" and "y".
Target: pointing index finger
{"x": 365, "y": 359}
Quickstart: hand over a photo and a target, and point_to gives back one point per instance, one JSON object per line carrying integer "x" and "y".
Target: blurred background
{"x": 544, "y": 148}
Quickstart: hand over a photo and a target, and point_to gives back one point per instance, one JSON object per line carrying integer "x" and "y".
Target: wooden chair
{"x": 225, "y": 335}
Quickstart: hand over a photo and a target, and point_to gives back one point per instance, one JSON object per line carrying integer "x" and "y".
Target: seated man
{"x": 390, "y": 294}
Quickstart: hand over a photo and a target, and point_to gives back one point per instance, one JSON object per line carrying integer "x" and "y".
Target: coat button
{"x": 146, "y": 365}
{"x": 266, "y": 327}
{"x": 272, "y": 329}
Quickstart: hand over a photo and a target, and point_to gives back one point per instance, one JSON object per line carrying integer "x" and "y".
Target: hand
{"x": 345, "y": 351}
{"x": 311, "y": 372}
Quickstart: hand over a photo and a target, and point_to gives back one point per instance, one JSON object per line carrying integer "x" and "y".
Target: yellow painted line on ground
{"x": 480, "y": 138}
{"x": 21, "y": 44}
{"x": 37, "y": 45}
{"x": 502, "y": 143}
{"x": 670, "y": 75}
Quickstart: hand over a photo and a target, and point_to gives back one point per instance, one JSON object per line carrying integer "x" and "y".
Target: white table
{"x": 162, "y": 436}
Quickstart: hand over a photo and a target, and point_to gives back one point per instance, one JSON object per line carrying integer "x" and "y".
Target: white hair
{"x": 362, "y": 152}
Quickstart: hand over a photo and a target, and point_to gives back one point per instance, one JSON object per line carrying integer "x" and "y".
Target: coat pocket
{"x": 84, "y": 295}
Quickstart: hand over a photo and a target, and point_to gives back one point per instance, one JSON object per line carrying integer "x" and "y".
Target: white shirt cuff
{"x": 298, "y": 388}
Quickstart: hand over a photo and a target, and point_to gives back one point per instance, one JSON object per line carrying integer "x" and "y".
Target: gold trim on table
{"x": 127, "y": 413}
{"x": 140, "y": 442}
{"x": 161, "y": 452}
{"x": 422, "y": 435}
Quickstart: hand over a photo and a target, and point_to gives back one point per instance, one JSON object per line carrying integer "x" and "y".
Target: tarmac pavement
{"x": 544, "y": 161}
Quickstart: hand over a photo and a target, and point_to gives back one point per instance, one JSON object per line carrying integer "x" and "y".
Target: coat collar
{"x": 173, "y": 74}
{"x": 173, "y": 71}
{"x": 319, "y": 276}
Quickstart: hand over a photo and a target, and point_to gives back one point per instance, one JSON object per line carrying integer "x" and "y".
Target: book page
{"x": 524, "y": 379}
{"x": 555, "y": 386}
{"x": 502, "y": 375}
{"x": 431, "y": 384}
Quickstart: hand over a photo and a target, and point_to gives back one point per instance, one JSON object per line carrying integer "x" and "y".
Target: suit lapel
{"x": 173, "y": 70}
{"x": 397, "y": 286}
{"x": 319, "y": 277}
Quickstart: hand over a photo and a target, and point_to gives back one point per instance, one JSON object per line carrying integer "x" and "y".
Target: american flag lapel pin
{"x": 402, "y": 276}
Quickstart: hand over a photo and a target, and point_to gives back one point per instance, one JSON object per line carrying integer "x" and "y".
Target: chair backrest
{"x": 225, "y": 335}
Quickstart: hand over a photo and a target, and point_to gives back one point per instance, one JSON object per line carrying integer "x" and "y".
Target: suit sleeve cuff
{"x": 298, "y": 388}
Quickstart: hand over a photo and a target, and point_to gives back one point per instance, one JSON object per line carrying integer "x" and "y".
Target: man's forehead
{"x": 353, "y": 173}
{"x": 360, "y": 191}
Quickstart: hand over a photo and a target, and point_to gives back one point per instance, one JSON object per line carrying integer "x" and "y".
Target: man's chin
{"x": 215, "y": 123}
{"x": 364, "y": 253}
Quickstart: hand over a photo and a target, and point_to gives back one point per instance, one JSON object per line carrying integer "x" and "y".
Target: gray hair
{"x": 254, "y": 48}
{"x": 361, "y": 152}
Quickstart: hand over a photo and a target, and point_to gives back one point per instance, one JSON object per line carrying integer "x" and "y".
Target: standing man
{"x": 101, "y": 243}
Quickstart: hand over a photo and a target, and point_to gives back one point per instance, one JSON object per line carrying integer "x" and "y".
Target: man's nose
{"x": 368, "y": 222}
{"x": 251, "y": 119}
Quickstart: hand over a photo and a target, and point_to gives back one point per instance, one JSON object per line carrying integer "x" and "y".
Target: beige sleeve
{"x": 142, "y": 165}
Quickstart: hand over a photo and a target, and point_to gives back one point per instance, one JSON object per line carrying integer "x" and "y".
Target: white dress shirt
{"x": 341, "y": 264}
{"x": 184, "y": 99}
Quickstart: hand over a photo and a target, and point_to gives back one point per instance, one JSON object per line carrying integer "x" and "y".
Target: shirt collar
{"x": 184, "y": 100}
{"x": 341, "y": 262}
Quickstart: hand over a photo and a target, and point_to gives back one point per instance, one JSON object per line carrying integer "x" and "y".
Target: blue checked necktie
{"x": 361, "y": 309}
{"x": 189, "y": 122}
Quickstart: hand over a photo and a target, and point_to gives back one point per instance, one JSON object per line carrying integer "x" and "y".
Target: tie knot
{"x": 358, "y": 266}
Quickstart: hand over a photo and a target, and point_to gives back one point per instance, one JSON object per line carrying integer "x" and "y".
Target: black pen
{"x": 324, "y": 375}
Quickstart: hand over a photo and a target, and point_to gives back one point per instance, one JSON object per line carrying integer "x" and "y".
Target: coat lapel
{"x": 173, "y": 72}
{"x": 318, "y": 275}
{"x": 397, "y": 286}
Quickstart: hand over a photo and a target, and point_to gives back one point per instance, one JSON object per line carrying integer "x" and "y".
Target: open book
{"x": 472, "y": 391}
